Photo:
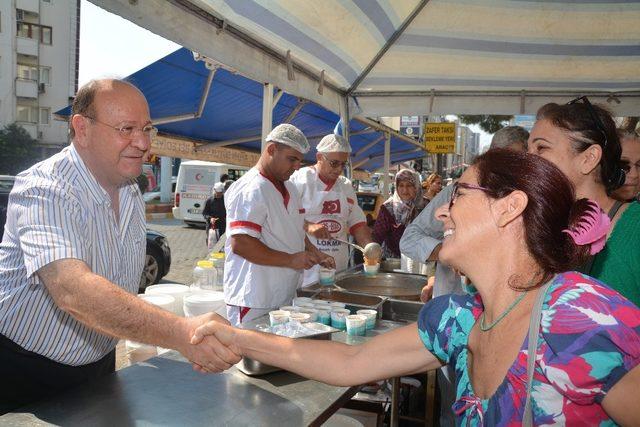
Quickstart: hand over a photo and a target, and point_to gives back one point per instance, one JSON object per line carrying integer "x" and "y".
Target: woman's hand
{"x": 427, "y": 290}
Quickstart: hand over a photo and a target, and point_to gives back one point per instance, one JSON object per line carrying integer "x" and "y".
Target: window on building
{"x": 42, "y": 33}
{"x": 45, "y": 75}
{"x": 45, "y": 114}
{"x": 46, "y": 35}
{"x": 26, "y": 113}
{"x": 27, "y": 72}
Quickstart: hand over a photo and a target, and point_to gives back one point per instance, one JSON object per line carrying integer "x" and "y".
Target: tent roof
{"x": 175, "y": 84}
{"x": 416, "y": 56}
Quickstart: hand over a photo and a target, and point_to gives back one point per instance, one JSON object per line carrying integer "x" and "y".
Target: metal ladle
{"x": 372, "y": 250}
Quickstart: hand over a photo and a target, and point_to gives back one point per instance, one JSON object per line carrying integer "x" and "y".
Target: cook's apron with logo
{"x": 331, "y": 209}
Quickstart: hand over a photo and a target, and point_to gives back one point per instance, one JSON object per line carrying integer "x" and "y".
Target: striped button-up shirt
{"x": 57, "y": 210}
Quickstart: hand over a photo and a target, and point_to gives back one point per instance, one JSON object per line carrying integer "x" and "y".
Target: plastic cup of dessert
{"x": 324, "y": 315}
{"x": 305, "y": 305}
{"x": 338, "y": 317}
{"x": 299, "y": 300}
{"x": 337, "y": 304}
{"x": 289, "y": 308}
{"x": 355, "y": 324}
{"x": 312, "y": 312}
{"x": 278, "y": 317}
{"x": 299, "y": 317}
{"x": 371, "y": 316}
{"x": 371, "y": 270}
{"x": 327, "y": 276}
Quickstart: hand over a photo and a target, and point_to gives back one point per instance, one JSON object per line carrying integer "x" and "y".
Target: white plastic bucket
{"x": 204, "y": 302}
{"x": 176, "y": 290}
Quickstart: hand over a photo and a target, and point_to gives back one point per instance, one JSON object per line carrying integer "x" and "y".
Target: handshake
{"x": 209, "y": 345}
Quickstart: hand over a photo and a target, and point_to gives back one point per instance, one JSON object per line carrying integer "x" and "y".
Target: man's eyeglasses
{"x": 594, "y": 116}
{"x": 458, "y": 185}
{"x": 336, "y": 163}
{"x": 128, "y": 131}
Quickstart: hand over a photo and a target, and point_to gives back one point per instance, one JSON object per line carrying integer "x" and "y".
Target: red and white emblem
{"x": 332, "y": 226}
{"x": 331, "y": 207}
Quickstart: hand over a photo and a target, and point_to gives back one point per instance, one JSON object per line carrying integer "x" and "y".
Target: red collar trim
{"x": 282, "y": 189}
{"x": 329, "y": 184}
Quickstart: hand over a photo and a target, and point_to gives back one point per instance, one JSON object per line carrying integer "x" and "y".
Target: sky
{"x": 125, "y": 48}
{"x": 111, "y": 46}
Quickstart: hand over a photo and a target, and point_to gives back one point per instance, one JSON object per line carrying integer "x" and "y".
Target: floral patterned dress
{"x": 589, "y": 339}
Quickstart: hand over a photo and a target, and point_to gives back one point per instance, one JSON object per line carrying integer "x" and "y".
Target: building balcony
{"x": 31, "y": 128}
{"x": 26, "y": 88}
{"x": 25, "y": 46}
{"x": 32, "y": 6}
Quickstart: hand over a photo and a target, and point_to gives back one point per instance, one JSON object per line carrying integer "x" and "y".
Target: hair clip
{"x": 591, "y": 228}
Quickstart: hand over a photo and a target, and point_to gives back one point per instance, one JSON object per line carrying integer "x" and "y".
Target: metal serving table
{"x": 165, "y": 390}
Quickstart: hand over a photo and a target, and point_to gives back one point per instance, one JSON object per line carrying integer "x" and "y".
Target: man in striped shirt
{"x": 72, "y": 256}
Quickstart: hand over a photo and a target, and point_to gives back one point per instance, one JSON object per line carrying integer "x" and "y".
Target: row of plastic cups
{"x": 280, "y": 317}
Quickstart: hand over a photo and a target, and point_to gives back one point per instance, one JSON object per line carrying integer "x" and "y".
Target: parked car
{"x": 157, "y": 259}
{"x": 158, "y": 254}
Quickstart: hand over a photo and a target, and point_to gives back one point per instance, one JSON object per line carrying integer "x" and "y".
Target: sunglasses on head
{"x": 594, "y": 116}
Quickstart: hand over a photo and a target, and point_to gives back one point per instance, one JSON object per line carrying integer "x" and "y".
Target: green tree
{"x": 489, "y": 124}
{"x": 18, "y": 150}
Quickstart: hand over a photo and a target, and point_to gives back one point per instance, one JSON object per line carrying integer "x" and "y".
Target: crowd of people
{"x": 534, "y": 317}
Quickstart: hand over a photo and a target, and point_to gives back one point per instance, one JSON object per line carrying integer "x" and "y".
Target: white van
{"x": 194, "y": 185}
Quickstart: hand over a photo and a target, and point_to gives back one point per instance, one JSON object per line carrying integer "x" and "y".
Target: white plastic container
{"x": 371, "y": 316}
{"x": 300, "y": 300}
{"x": 312, "y": 312}
{"x": 205, "y": 276}
{"x": 355, "y": 324}
{"x": 203, "y": 302}
{"x": 176, "y": 290}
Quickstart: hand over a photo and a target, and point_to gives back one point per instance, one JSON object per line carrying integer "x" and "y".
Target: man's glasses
{"x": 458, "y": 185}
{"x": 594, "y": 116}
{"x": 336, "y": 163}
{"x": 128, "y": 131}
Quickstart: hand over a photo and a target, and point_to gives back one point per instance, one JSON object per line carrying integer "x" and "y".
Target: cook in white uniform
{"x": 330, "y": 204}
{"x": 267, "y": 248}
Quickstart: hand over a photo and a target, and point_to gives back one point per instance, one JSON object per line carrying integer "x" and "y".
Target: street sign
{"x": 440, "y": 138}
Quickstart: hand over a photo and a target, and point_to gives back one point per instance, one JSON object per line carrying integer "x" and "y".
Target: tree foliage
{"x": 19, "y": 151}
{"x": 489, "y": 124}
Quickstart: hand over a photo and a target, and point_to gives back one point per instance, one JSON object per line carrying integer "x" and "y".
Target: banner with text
{"x": 440, "y": 138}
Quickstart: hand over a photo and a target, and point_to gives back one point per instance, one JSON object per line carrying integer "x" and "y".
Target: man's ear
{"x": 80, "y": 129}
{"x": 510, "y": 207}
{"x": 271, "y": 148}
{"x": 590, "y": 159}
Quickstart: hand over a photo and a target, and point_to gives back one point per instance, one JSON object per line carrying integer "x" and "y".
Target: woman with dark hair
{"x": 513, "y": 228}
{"x": 397, "y": 212}
{"x": 581, "y": 140}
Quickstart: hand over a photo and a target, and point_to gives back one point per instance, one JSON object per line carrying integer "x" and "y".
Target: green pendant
{"x": 485, "y": 328}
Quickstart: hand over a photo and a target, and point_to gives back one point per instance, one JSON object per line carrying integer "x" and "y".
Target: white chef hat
{"x": 218, "y": 187}
{"x": 333, "y": 143}
{"x": 289, "y": 135}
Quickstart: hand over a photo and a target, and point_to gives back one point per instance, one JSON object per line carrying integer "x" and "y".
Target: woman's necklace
{"x": 484, "y": 328}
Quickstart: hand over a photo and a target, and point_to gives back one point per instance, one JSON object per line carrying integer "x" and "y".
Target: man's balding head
{"x": 84, "y": 102}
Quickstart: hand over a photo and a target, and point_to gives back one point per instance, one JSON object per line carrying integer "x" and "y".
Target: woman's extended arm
{"x": 395, "y": 353}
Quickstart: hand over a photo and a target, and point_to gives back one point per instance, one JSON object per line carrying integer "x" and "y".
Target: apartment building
{"x": 39, "y": 48}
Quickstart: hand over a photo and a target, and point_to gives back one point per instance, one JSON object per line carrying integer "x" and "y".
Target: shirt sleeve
{"x": 50, "y": 223}
{"x": 443, "y": 323}
{"x": 591, "y": 335}
{"x": 247, "y": 213}
{"x": 425, "y": 232}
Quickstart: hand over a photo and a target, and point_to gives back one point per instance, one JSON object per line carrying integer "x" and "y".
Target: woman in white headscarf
{"x": 398, "y": 212}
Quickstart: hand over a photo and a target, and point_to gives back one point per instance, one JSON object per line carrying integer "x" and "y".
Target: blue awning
{"x": 174, "y": 85}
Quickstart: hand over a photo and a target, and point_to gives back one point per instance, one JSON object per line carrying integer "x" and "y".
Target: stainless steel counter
{"x": 166, "y": 391}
